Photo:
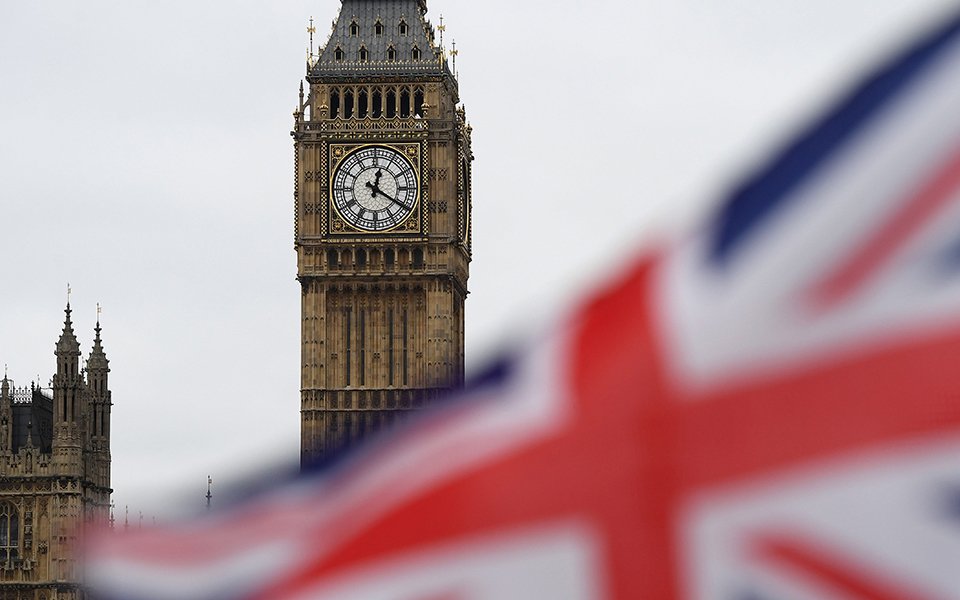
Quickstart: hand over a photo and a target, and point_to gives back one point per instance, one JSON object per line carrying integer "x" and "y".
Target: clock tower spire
{"x": 382, "y": 223}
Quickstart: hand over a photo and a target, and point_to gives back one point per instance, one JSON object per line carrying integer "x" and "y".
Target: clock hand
{"x": 391, "y": 199}
{"x": 375, "y": 186}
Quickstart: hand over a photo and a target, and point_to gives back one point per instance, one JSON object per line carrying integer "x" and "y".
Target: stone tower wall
{"x": 382, "y": 312}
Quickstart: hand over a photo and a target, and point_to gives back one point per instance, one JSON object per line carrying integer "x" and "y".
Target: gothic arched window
{"x": 354, "y": 29}
{"x": 348, "y": 104}
{"x": 405, "y": 103}
{"x": 363, "y": 54}
{"x": 378, "y": 28}
{"x": 391, "y": 53}
{"x": 363, "y": 104}
{"x": 334, "y": 104}
{"x": 9, "y": 533}
{"x": 403, "y": 27}
{"x": 415, "y": 53}
{"x": 418, "y": 102}
{"x": 338, "y": 54}
{"x": 391, "y": 104}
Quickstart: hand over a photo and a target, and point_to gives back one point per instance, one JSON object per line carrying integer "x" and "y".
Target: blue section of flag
{"x": 763, "y": 194}
{"x": 949, "y": 262}
{"x": 949, "y": 502}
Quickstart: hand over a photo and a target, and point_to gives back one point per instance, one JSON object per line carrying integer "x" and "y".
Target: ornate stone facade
{"x": 54, "y": 472}
{"x": 382, "y": 223}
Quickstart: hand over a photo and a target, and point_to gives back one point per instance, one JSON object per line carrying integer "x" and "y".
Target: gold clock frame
{"x": 414, "y": 225}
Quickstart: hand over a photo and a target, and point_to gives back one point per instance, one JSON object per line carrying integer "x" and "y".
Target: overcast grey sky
{"x": 145, "y": 159}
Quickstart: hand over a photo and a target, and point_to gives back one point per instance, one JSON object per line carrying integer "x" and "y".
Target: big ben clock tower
{"x": 382, "y": 204}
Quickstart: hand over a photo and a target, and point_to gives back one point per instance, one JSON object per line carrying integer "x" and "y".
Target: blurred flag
{"x": 769, "y": 409}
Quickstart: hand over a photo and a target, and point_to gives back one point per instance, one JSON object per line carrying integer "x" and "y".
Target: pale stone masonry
{"x": 382, "y": 224}
{"x": 54, "y": 472}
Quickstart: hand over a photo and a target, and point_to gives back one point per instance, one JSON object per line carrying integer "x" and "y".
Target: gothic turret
{"x": 97, "y": 365}
{"x": 98, "y": 395}
{"x": 68, "y": 387}
{"x": 67, "y": 346}
{"x": 55, "y": 462}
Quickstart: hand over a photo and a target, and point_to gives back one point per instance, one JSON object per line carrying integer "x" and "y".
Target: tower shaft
{"x": 382, "y": 202}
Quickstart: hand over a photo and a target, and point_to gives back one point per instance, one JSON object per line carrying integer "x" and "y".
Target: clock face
{"x": 374, "y": 188}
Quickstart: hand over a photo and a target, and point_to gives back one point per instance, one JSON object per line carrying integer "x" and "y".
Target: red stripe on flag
{"x": 638, "y": 447}
{"x": 865, "y": 262}
{"x": 829, "y": 567}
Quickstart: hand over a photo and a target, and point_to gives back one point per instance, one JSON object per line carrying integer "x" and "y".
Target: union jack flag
{"x": 767, "y": 409}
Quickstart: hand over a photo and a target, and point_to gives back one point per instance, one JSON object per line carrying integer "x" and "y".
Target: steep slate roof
{"x": 390, "y": 13}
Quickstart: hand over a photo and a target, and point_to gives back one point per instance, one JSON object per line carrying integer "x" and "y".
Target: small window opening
{"x": 404, "y": 347}
{"x": 415, "y": 54}
{"x": 417, "y": 258}
{"x": 418, "y": 103}
{"x": 388, "y": 257}
{"x": 403, "y": 27}
{"x": 338, "y": 54}
{"x": 348, "y": 312}
{"x": 354, "y": 29}
{"x": 348, "y": 105}
{"x": 405, "y": 103}
{"x": 334, "y": 104}
{"x": 9, "y": 533}
{"x": 377, "y": 104}
{"x": 333, "y": 261}
{"x": 390, "y": 346}
{"x": 363, "y": 347}
{"x": 378, "y": 28}
{"x": 391, "y": 54}
{"x": 391, "y": 105}
{"x": 362, "y": 104}
{"x": 363, "y": 54}
{"x": 361, "y": 258}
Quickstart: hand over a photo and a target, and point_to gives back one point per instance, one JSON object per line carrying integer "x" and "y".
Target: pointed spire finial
{"x": 311, "y": 30}
{"x": 68, "y": 295}
{"x": 453, "y": 56}
{"x": 209, "y": 495}
{"x": 68, "y": 341}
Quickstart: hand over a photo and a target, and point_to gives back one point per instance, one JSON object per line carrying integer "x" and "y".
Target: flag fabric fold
{"x": 768, "y": 408}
